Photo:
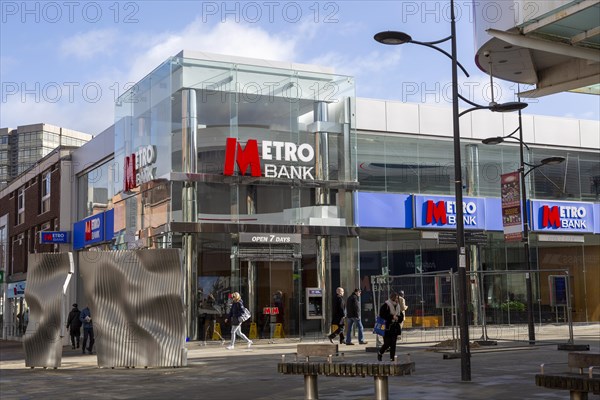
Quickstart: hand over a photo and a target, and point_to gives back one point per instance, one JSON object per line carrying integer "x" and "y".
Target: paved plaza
{"x": 505, "y": 371}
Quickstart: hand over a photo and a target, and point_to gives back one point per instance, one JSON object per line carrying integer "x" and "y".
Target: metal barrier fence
{"x": 496, "y": 302}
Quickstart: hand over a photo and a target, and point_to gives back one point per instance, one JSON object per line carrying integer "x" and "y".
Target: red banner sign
{"x": 511, "y": 206}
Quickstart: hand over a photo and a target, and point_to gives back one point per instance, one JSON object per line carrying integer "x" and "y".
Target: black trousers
{"x": 88, "y": 332}
{"x": 389, "y": 342}
{"x": 75, "y": 336}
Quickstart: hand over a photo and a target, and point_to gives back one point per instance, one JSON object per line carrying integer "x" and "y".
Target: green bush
{"x": 512, "y": 306}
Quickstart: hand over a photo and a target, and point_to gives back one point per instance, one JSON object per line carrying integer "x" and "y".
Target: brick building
{"x": 35, "y": 201}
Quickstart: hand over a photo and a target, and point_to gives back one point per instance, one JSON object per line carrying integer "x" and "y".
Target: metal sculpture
{"x": 135, "y": 297}
{"x": 48, "y": 277}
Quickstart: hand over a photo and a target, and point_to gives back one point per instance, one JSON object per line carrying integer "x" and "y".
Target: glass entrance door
{"x": 272, "y": 293}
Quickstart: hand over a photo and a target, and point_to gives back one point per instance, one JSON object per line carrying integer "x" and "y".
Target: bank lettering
{"x": 139, "y": 167}
{"x": 566, "y": 217}
{"x": 247, "y": 158}
{"x": 92, "y": 229}
{"x": 444, "y": 213}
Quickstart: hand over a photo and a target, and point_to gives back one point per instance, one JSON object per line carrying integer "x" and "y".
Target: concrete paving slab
{"x": 506, "y": 371}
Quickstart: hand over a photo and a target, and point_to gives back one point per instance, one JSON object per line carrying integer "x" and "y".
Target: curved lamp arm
{"x": 520, "y": 141}
{"x": 431, "y": 45}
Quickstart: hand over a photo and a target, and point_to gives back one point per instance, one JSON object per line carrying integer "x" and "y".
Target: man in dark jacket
{"x": 88, "y": 329}
{"x": 339, "y": 312}
{"x": 353, "y": 317}
{"x": 74, "y": 326}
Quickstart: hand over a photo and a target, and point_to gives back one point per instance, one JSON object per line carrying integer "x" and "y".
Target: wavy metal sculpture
{"x": 48, "y": 277}
{"x": 135, "y": 297}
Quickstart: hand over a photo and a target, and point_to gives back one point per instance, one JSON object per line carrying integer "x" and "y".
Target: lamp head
{"x": 552, "y": 160}
{"x": 493, "y": 140}
{"x": 508, "y": 107}
{"x": 392, "y": 37}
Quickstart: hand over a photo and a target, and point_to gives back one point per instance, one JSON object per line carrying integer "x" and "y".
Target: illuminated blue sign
{"x": 439, "y": 212}
{"x": 562, "y": 216}
{"x": 47, "y": 237}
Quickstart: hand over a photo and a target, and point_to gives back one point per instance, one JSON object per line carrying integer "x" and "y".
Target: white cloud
{"x": 374, "y": 62}
{"x": 225, "y": 38}
{"x": 94, "y": 116}
{"x": 90, "y": 44}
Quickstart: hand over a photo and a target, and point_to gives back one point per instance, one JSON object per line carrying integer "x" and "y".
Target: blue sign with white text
{"x": 562, "y": 216}
{"x": 439, "y": 212}
{"x": 88, "y": 231}
{"x": 47, "y": 237}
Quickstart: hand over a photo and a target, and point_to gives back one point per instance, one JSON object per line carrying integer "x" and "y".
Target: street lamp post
{"x": 396, "y": 38}
{"x": 525, "y": 216}
{"x": 528, "y": 288}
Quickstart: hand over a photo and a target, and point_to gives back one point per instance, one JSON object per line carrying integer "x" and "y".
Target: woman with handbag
{"x": 235, "y": 315}
{"x": 392, "y": 311}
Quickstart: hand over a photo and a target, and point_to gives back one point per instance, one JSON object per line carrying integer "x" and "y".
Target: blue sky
{"x": 64, "y": 63}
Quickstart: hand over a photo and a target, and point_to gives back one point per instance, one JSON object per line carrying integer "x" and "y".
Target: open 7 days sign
{"x": 248, "y": 157}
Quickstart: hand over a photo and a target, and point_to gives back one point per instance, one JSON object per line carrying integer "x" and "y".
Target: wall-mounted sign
{"x": 47, "y": 237}
{"x": 92, "y": 230}
{"x": 287, "y": 155}
{"x": 139, "y": 167}
{"x": 16, "y": 289}
{"x": 270, "y": 238}
{"x": 562, "y": 216}
{"x": 439, "y": 212}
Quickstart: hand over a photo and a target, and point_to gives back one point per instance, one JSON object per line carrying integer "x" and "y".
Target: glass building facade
{"x": 210, "y": 151}
{"x": 254, "y": 172}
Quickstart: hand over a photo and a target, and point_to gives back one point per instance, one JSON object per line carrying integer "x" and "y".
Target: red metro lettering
{"x": 130, "y": 181}
{"x": 244, "y": 157}
{"x": 436, "y": 213}
{"x": 550, "y": 217}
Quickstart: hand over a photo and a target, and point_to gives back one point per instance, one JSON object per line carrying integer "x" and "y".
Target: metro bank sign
{"x": 287, "y": 152}
{"x": 139, "y": 167}
{"x": 562, "y": 216}
{"x": 439, "y": 212}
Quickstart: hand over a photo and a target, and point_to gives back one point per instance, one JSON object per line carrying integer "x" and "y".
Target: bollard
{"x": 311, "y": 391}
{"x": 381, "y": 388}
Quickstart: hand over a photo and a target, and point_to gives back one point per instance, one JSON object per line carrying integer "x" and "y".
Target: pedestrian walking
{"x": 74, "y": 326}
{"x": 392, "y": 311}
{"x": 235, "y": 315}
{"x": 88, "y": 329}
{"x": 339, "y": 312}
{"x": 353, "y": 317}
